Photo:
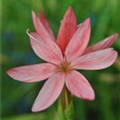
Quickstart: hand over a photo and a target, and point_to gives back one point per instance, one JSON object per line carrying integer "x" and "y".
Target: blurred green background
{"x": 17, "y": 98}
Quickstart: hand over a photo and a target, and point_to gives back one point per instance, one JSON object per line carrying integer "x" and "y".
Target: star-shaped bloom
{"x": 64, "y": 56}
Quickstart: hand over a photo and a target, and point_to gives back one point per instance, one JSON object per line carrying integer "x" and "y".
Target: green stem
{"x": 65, "y": 105}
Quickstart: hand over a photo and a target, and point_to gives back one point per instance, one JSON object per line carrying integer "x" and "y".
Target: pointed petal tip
{"x": 88, "y": 20}
{"x": 34, "y": 109}
{"x": 70, "y": 10}
{"x": 31, "y": 36}
{"x": 91, "y": 97}
{"x": 8, "y": 72}
{"x": 27, "y": 31}
{"x": 33, "y": 14}
{"x": 116, "y": 35}
{"x": 34, "y": 17}
{"x": 41, "y": 12}
{"x": 114, "y": 52}
{"x": 115, "y": 55}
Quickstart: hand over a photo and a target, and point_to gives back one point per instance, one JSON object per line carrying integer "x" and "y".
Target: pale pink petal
{"x": 48, "y": 51}
{"x": 49, "y": 93}
{"x": 45, "y": 23}
{"x": 67, "y": 29}
{"x": 79, "y": 86}
{"x": 96, "y": 60}
{"x": 35, "y": 22}
{"x": 40, "y": 28}
{"x": 79, "y": 41}
{"x": 106, "y": 43}
{"x": 32, "y": 73}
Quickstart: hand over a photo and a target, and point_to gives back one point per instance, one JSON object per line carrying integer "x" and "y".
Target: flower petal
{"x": 47, "y": 50}
{"x": 32, "y": 73}
{"x": 79, "y": 86}
{"x": 79, "y": 41}
{"x": 45, "y": 23}
{"x": 40, "y": 28}
{"x": 35, "y": 21}
{"x": 96, "y": 60}
{"x": 106, "y": 43}
{"x": 67, "y": 29}
{"x": 49, "y": 93}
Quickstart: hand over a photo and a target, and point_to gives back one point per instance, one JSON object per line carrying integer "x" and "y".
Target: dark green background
{"x": 17, "y": 98}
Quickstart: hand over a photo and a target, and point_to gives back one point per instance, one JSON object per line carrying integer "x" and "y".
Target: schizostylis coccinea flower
{"x": 64, "y": 56}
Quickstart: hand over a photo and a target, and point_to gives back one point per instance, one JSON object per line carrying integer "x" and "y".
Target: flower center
{"x": 65, "y": 67}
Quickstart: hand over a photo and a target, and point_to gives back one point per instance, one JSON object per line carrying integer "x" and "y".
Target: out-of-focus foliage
{"x": 17, "y": 98}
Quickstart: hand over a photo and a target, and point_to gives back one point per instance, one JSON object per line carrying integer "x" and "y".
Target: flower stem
{"x": 65, "y": 105}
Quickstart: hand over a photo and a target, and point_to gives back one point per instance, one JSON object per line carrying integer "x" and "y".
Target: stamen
{"x": 65, "y": 67}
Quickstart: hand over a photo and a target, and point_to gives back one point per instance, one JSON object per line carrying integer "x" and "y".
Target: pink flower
{"x": 64, "y": 56}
